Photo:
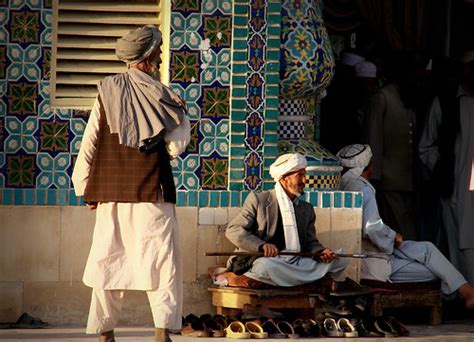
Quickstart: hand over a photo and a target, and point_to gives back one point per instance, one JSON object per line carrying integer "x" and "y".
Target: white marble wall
{"x": 43, "y": 251}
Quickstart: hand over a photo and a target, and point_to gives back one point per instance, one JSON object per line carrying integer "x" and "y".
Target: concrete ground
{"x": 451, "y": 331}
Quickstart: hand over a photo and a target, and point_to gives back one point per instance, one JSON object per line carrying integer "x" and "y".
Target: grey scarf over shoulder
{"x": 139, "y": 107}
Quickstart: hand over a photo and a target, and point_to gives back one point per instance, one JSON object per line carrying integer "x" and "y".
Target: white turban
{"x": 366, "y": 69}
{"x": 355, "y": 157}
{"x": 351, "y": 59}
{"x": 138, "y": 44}
{"x": 468, "y": 57}
{"x": 287, "y": 163}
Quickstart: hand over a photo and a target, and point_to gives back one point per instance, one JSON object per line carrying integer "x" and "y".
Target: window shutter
{"x": 83, "y": 51}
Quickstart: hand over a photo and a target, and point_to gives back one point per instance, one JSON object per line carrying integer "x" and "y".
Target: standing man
{"x": 447, "y": 150}
{"x": 276, "y": 220}
{"x": 406, "y": 261}
{"x": 123, "y": 171}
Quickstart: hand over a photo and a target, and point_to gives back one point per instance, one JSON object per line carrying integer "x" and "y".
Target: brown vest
{"x": 123, "y": 174}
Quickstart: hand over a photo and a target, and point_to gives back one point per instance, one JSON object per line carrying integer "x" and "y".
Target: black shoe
{"x": 348, "y": 287}
{"x": 366, "y": 328}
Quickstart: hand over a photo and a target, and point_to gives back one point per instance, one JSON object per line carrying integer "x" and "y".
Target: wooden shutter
{"x": 83, "y": 51}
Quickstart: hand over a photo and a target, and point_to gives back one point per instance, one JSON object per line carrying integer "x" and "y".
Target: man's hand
{"x": 398, "y": 240}
{"x": 92, "y": 205}
{"x": 327, "y": 255}
{"x": 269, "y": 250}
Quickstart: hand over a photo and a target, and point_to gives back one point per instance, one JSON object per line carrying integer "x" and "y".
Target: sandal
{"x": 347, "y": 328}
{"x": 287, "y": 329}
{"x": 255, "y": 330}
{"x": 271, "y": 328}
{"x": 236, "y": 329}
{"x": 214, "y": 327}
{"x": 398, "y": 326}
{"x": 384, "y": 327}
{"x": 331, "y": 328}
{"x": 312, "y": 328}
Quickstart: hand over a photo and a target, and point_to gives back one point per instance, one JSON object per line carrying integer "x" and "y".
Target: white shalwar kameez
{"x": 134, "y": 247}
{"x": 458, "y": 211}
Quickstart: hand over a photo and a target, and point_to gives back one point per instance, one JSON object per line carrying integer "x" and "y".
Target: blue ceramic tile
{"x": 181, "y": 199}
{"x": 40, "y": 197}
{"x": 236, "y": 186}
{"x": 73, "y": 199}
{"x": 7, "y": 196}
{"x": 313, "y": 198}
{"x": 243, "y": 196}
{"x": 358, "y": 200}
{"x": 18, "y": 196}
{"x": 268, "y": 185}
{"x": 234, "y": 199}
{"x": 29, "y": 197}
{"x": 192, "y": 199}
{"x": 203, "y": 199}
{"x": 61, "y": 197}
{"x": 224, "y": 199}
{"x": 214, "y": 199}
{"x": 347, "y": 200}
{"x": 326, "y": 200}
{"x": 51, "y": 197}
{"x": 337, "y": 200}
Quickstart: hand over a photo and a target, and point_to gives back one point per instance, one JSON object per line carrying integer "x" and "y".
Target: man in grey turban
{"x": 406, "y": 261}
{"x": 123, "y": 171}
{"x": 277, "y": 220}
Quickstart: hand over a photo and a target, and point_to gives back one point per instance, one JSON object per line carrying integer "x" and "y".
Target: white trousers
{"x": 106, "y": 306}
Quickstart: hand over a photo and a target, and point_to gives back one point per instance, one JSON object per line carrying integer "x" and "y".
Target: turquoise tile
{"x": 73, "y": 199}
{"x": 313, "y": 198}
{"x": 326, "y": 200}
{"x": 81, "y": 201}
{"x": 273, "y": 78}
{"x": 7, "y": 196}
{"x": 51, "y": 197}
{"x": 40, "y": 197}
{"x": 268, "y": 185}
{"x": 239, "y": 92}
{"x": 270, "y": 151}
{"x": 274, "y": 7}
{"x": 241, "y": 68}
{"x": 238, "y": 114}
{"x": 240, "y": 32}
{"x": 236, "y": 163}
{"x": 337, "y": 200}
{"x": 272, "y": 66}
{"x": 239, "y": 56}
{"x": 358, "y": 200}
{"x": 273, "y": 55}
{"x": 267, "y": 161}
{"x": 203, "y": 199}
{"x": 224, "y": 199}
{"x": 238, "y": 151}
{"x": 181, "y": 198}
{"x": 18, "y": 197}
{"x": 240, "y": 21}
{"x": 269, "y": 138}
{"x": 235, "y": 199}
{"x": 237, "y": 127}
{"x": 266, "y": 174}
{"x": 238, "y": 139}
{"x": 29, "y": 197}
{"x": 236, "y": 186}
{"x": 240, "y": 44}
{"x": 273, "y": 31}
{"x": 238, "y": 80}
{"x": 214, "y": 199}
{"x": 347, "y": 200}
{"x": 272, "y": 113}
{"x": 243, "y": 196}
{"x": 271, "y": 127}
{"x": 192, "y": 199}
{"x": 61, "y": 197}
{"x": 273, "y": 90}
{"x": 240, "y": 9}
{"x": 274, "y": 19}
{"x": 237, "y": 174}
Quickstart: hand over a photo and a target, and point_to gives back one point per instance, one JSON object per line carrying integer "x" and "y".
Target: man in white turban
{"x": 406, "y": 261}
{"x": 277, "y": 220}
{"x": 123, "y": 171}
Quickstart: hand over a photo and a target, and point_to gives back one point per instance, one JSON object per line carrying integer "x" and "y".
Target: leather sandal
{"x": 255, "y": 330}
{"x": 236, "y": 329}
{"x": 331, "y": 328}
{"x": 398, "y": 326}
{"x": 384, "y": 327}
{"x": 287, "y": 329}
{"x": 347, "y": 328}
{"x": 271, "y": 328}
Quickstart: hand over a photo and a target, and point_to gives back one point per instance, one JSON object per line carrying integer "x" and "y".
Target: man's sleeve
{"x": 428, "y": 147}
{"x": 178, "y": 139}
{"x": 240, "y": 229}
{"x": 314, "y": 245}
{"x": 83, "y": 164}
{"x": 374, "y": 132}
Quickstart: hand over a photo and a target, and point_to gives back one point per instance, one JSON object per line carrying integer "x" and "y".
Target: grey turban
{"x": 138, "y": 44}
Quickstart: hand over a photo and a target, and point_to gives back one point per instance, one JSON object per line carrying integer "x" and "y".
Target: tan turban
{"x": 286, "y": 164}
{"x": 138, "y": 44}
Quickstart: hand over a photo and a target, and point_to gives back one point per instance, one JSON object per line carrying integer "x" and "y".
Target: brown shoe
{"x": 348, "y": 287}
{"x": 162, "y": 335}
{"x": 107, "y": 336}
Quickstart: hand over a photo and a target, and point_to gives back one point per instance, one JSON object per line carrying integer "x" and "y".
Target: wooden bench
{"x": 401, "y": 296}
{"x": 231, "y": 300}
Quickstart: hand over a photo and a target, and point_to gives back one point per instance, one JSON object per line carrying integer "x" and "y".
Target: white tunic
{"x": 135, "y": 245}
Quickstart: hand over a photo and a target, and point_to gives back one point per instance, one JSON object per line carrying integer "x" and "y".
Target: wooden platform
{"x": 230, "y": 300}
{"x": 431, "y": 299}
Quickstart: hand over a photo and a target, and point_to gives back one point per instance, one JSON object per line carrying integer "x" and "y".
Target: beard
{"x": 296, "y": 190}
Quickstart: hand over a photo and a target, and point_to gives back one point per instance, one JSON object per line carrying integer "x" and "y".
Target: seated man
{"x": 407, "y": 261}
{"x": 276, "y": 220}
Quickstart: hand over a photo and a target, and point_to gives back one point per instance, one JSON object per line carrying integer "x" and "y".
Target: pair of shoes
{"x": 348, "y": 287}
{"x": 251, "y": 312}
{"x": 251, "y": 329}
{"x": 194, "y": 327}
{"x": 342, "y": 328}
{"x": 306, "y": 328}
{"x": 384, "y": 327}
{"x": 366, "y": 328}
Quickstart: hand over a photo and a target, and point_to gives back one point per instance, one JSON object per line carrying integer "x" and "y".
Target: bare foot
{"x": 467, "y": 292}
